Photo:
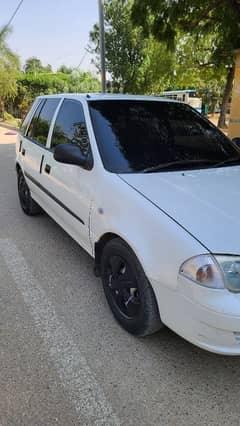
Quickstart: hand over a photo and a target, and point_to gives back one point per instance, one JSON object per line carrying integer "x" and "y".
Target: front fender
{"x": 160, "y": 244}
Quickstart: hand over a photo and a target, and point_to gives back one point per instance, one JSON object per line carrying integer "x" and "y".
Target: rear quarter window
{"x": 40, "y": 124}
{"x": 27, "y": 119}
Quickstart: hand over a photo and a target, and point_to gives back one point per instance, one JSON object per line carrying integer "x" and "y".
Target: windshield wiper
{"x": 178, "y": 163}
{"x": 228, "y": 161}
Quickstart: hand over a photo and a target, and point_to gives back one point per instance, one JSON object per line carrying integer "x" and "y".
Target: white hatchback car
{"x": 151, "y": 190}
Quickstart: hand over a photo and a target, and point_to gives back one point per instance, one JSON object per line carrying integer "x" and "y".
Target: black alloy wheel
{"x": 29, "y": 206}
{"x": 23, "y": 192}
{"x": 123, "y": 286}
{"x": 127, "y": 289}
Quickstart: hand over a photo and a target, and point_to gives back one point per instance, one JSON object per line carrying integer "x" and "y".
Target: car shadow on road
{"x": 192, "y": 363}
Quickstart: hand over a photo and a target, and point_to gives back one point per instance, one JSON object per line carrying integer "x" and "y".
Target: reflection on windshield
{"x": 137, "y": 135}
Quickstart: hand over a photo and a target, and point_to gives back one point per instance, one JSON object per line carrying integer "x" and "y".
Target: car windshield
{"x": 156, "y": 136}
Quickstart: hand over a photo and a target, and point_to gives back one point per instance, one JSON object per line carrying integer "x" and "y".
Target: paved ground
{"x": 64, "y": 360}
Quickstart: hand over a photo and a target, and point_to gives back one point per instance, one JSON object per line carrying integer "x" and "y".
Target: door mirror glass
{"x": 236, "y": 141}
{"x": 69, "y": 153}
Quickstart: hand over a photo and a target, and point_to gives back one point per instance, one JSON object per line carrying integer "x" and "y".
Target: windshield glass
{"x": 135, "y": 135}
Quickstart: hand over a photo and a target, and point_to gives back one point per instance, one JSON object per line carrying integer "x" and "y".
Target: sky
{"x": 56, "y": 31}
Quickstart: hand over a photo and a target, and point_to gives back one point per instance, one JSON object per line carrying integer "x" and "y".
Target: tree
{"x": 83, "y": 82}
{"x": 34, "y": 66}
{"x": 165, "y": 19}
{"x": 158, "y": 68}
{"x": 124, "y": 46}
{"x": 65, "y": 70}
{"x": 30, "y": 85}
{"x": 9, "y": 69}
{"x": 194, "y": 69}
{"x": 157, "y": 71}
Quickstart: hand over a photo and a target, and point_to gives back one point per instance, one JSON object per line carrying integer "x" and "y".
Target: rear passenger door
{"x": 33, "y": 145}
{"x": 69, "y": 187}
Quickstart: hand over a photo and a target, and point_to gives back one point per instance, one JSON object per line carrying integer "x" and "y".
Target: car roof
{"x": 106, "y": 97}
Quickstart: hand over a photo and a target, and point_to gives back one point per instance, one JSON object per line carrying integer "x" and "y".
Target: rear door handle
{"x": 23, "y": 151}
{"x": 47, "y": 168}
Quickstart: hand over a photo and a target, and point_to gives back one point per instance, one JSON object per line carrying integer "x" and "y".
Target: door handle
{"x": 41, "y": 164}
{"x": 23, "y": 151}
{"x": 47, "y": 168}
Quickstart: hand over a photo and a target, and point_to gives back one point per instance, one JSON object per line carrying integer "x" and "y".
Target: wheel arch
{"x": 18, "y": 168}
{"x": 99, "y": 246}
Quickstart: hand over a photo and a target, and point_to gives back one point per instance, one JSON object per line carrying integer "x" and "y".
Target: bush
{"x": 7, "y": 116}
{"x": 15, "y": 122}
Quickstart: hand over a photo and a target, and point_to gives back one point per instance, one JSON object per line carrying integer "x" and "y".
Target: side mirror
{"x": 236, "y": 141}
{"x": 69, "y": 153}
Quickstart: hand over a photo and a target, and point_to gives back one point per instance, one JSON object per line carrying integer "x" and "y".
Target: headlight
{"x": 204, "y": 270}
{"x": 230, "y": 266}
{"x": 213, "y": 271}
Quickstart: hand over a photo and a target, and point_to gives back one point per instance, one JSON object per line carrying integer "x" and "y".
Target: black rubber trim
{"x": 53, "y": 197}
{"x": 167, "y": 214}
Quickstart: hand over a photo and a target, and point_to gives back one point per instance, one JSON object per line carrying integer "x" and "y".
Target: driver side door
{"x": 69, "y": 187}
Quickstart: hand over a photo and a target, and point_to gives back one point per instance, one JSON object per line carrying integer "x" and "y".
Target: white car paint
{"x": 195, "y": 199}
{"x": 166, "y": 218}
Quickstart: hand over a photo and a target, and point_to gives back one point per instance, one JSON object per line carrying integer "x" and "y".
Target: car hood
{"x": 205, "y": 202}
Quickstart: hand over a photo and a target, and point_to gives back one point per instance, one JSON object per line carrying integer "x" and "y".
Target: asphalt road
{"x": 63, "y": 358}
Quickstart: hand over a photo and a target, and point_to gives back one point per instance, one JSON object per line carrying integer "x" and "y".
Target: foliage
{"x": 12, "y": 121}
{"x": 156, "y": 72}
{"x": 65, "y": 70}
{"x": 194, "y": 69}
{"x": 132, "y": 61}
{"x": 19, "y": 89}
{"x": 83, "y": 82}
{"x": 124, "y": 46}
{"x": 9, "y": 69}
{"x": 165, "y": 19}
{"x": 139, "y": 63}
{"x": 31, "y": 85}
{"x": 203, "y": 21}
{"x": 34, "y": 66}
{"x": 176, "y": 44}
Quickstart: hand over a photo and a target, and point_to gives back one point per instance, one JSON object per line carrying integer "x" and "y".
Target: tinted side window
{"x": 39, "y": 127}
{"x": 27, "y": 119}
{"x": 35, "y": 119}
{"x": 70, "y": 126}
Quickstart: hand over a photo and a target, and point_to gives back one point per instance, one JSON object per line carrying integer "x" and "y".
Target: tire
{"x": 128, "y": 291}
{"x": 29, "y": 206}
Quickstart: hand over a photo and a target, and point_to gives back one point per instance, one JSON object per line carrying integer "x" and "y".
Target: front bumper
{"x": 205, "y": 317}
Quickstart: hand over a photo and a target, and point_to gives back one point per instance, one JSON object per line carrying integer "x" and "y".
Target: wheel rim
{"x": 123, "y": 287}
{"x": 23, "y": 192}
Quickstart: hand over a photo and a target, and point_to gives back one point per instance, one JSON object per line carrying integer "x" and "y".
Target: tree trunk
{"x": 1, "y": 108}
{"x": 226, "y": 98}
